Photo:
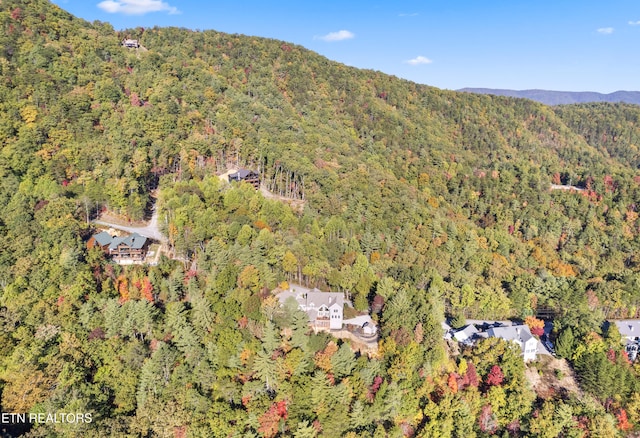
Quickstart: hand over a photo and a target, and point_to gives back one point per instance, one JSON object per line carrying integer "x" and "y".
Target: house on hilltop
{"x": 521, "y": 335}
{"x": 468, "y": 335}
{"x": 128, "y": 249}
{"x": 248, "y": 176}
{"x": 132, "y": 247}
{"x": 630, "y": 331}
{"x": 130, "y": 44}
{"x": 325, "y": 309}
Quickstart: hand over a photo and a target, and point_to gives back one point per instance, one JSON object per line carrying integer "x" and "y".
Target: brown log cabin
{"x": 245, "y": 175}
{"x": 130, "y": 248}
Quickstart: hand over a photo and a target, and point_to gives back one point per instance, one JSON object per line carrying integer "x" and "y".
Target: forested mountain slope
{"x": 549, "y": 97}
{"x": 418, "y": 202}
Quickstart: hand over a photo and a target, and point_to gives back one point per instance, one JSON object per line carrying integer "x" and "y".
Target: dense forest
{"x": 421, "y": 204}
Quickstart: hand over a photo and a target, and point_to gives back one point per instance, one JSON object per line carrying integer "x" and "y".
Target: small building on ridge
{"x": 325, "y": 309}
{"x": 248, "y": 176}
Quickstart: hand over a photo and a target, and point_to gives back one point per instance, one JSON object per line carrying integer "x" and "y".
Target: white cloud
{"x": 605, "y": 30}
{"x": 340, "y": 35}
{"x": 136, "y": 7}
{"x": 419, "y": 60}
{"x": 635, "y": 23}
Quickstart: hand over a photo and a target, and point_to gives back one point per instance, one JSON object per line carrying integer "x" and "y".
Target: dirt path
{"x": 149, "y": 229}
{"x": 225, "y": 176}
{"x": 296, "y": 204}
{"x": 556, "y": 377}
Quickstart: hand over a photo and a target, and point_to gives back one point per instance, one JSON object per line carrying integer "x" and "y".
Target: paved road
{"x": 150, "y": 230}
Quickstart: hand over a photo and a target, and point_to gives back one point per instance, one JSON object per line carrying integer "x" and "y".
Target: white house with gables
{"x": 467, "y": 335}
{"x": 630, "y": 332}
{"x": 325, "y": 309}
{"x": 629, "y": 329}
{"x": 521, "y": 335}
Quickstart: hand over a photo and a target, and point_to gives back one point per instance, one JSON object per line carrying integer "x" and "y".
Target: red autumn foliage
{"x": 623, "y": 421}
{"x": 16, "y": 14}
{"x": 611, "y": 355}
{"x": 270, "y": 420}
{"x": 377, "y": 381}
{"x": 471, "y": 376}
{"x": 536, "y": 326}
{"x": 495, "y": 376}
{"x": 147, "y": 289}
{"x": 134, "y": 100}
{"x": 281, "y": 408}
{"x": 609, "y": 183}
{"x": 537, "y": 331}
{"x": 331, "y": 378}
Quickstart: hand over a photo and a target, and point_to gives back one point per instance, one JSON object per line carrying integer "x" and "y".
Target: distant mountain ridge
{"x": 562, "y": 97}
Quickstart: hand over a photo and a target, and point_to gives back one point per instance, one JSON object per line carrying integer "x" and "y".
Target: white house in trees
{"x": 325, "y": 309}
{"x": 521, "y": 335}
{"x": 630, "y": 332}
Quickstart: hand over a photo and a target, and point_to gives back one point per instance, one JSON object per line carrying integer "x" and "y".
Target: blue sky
{"x": 564, "y": 45}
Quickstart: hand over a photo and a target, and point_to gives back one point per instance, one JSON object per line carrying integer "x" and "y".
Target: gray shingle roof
{"x": 241, "y": 174}
{"x": 519, "y": 333}
{"x": 629, "y": 328}
{"x": 134, "y": 241}
{"x": 311, "y": 301}
{"x": 466, "y": 333}
{"x": 103, "y": 238}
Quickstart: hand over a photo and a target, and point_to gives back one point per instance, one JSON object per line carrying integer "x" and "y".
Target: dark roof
{"x": 103, "y": 238}
{"x": 242, "y": 174}
{"x": 134, "y": 241}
